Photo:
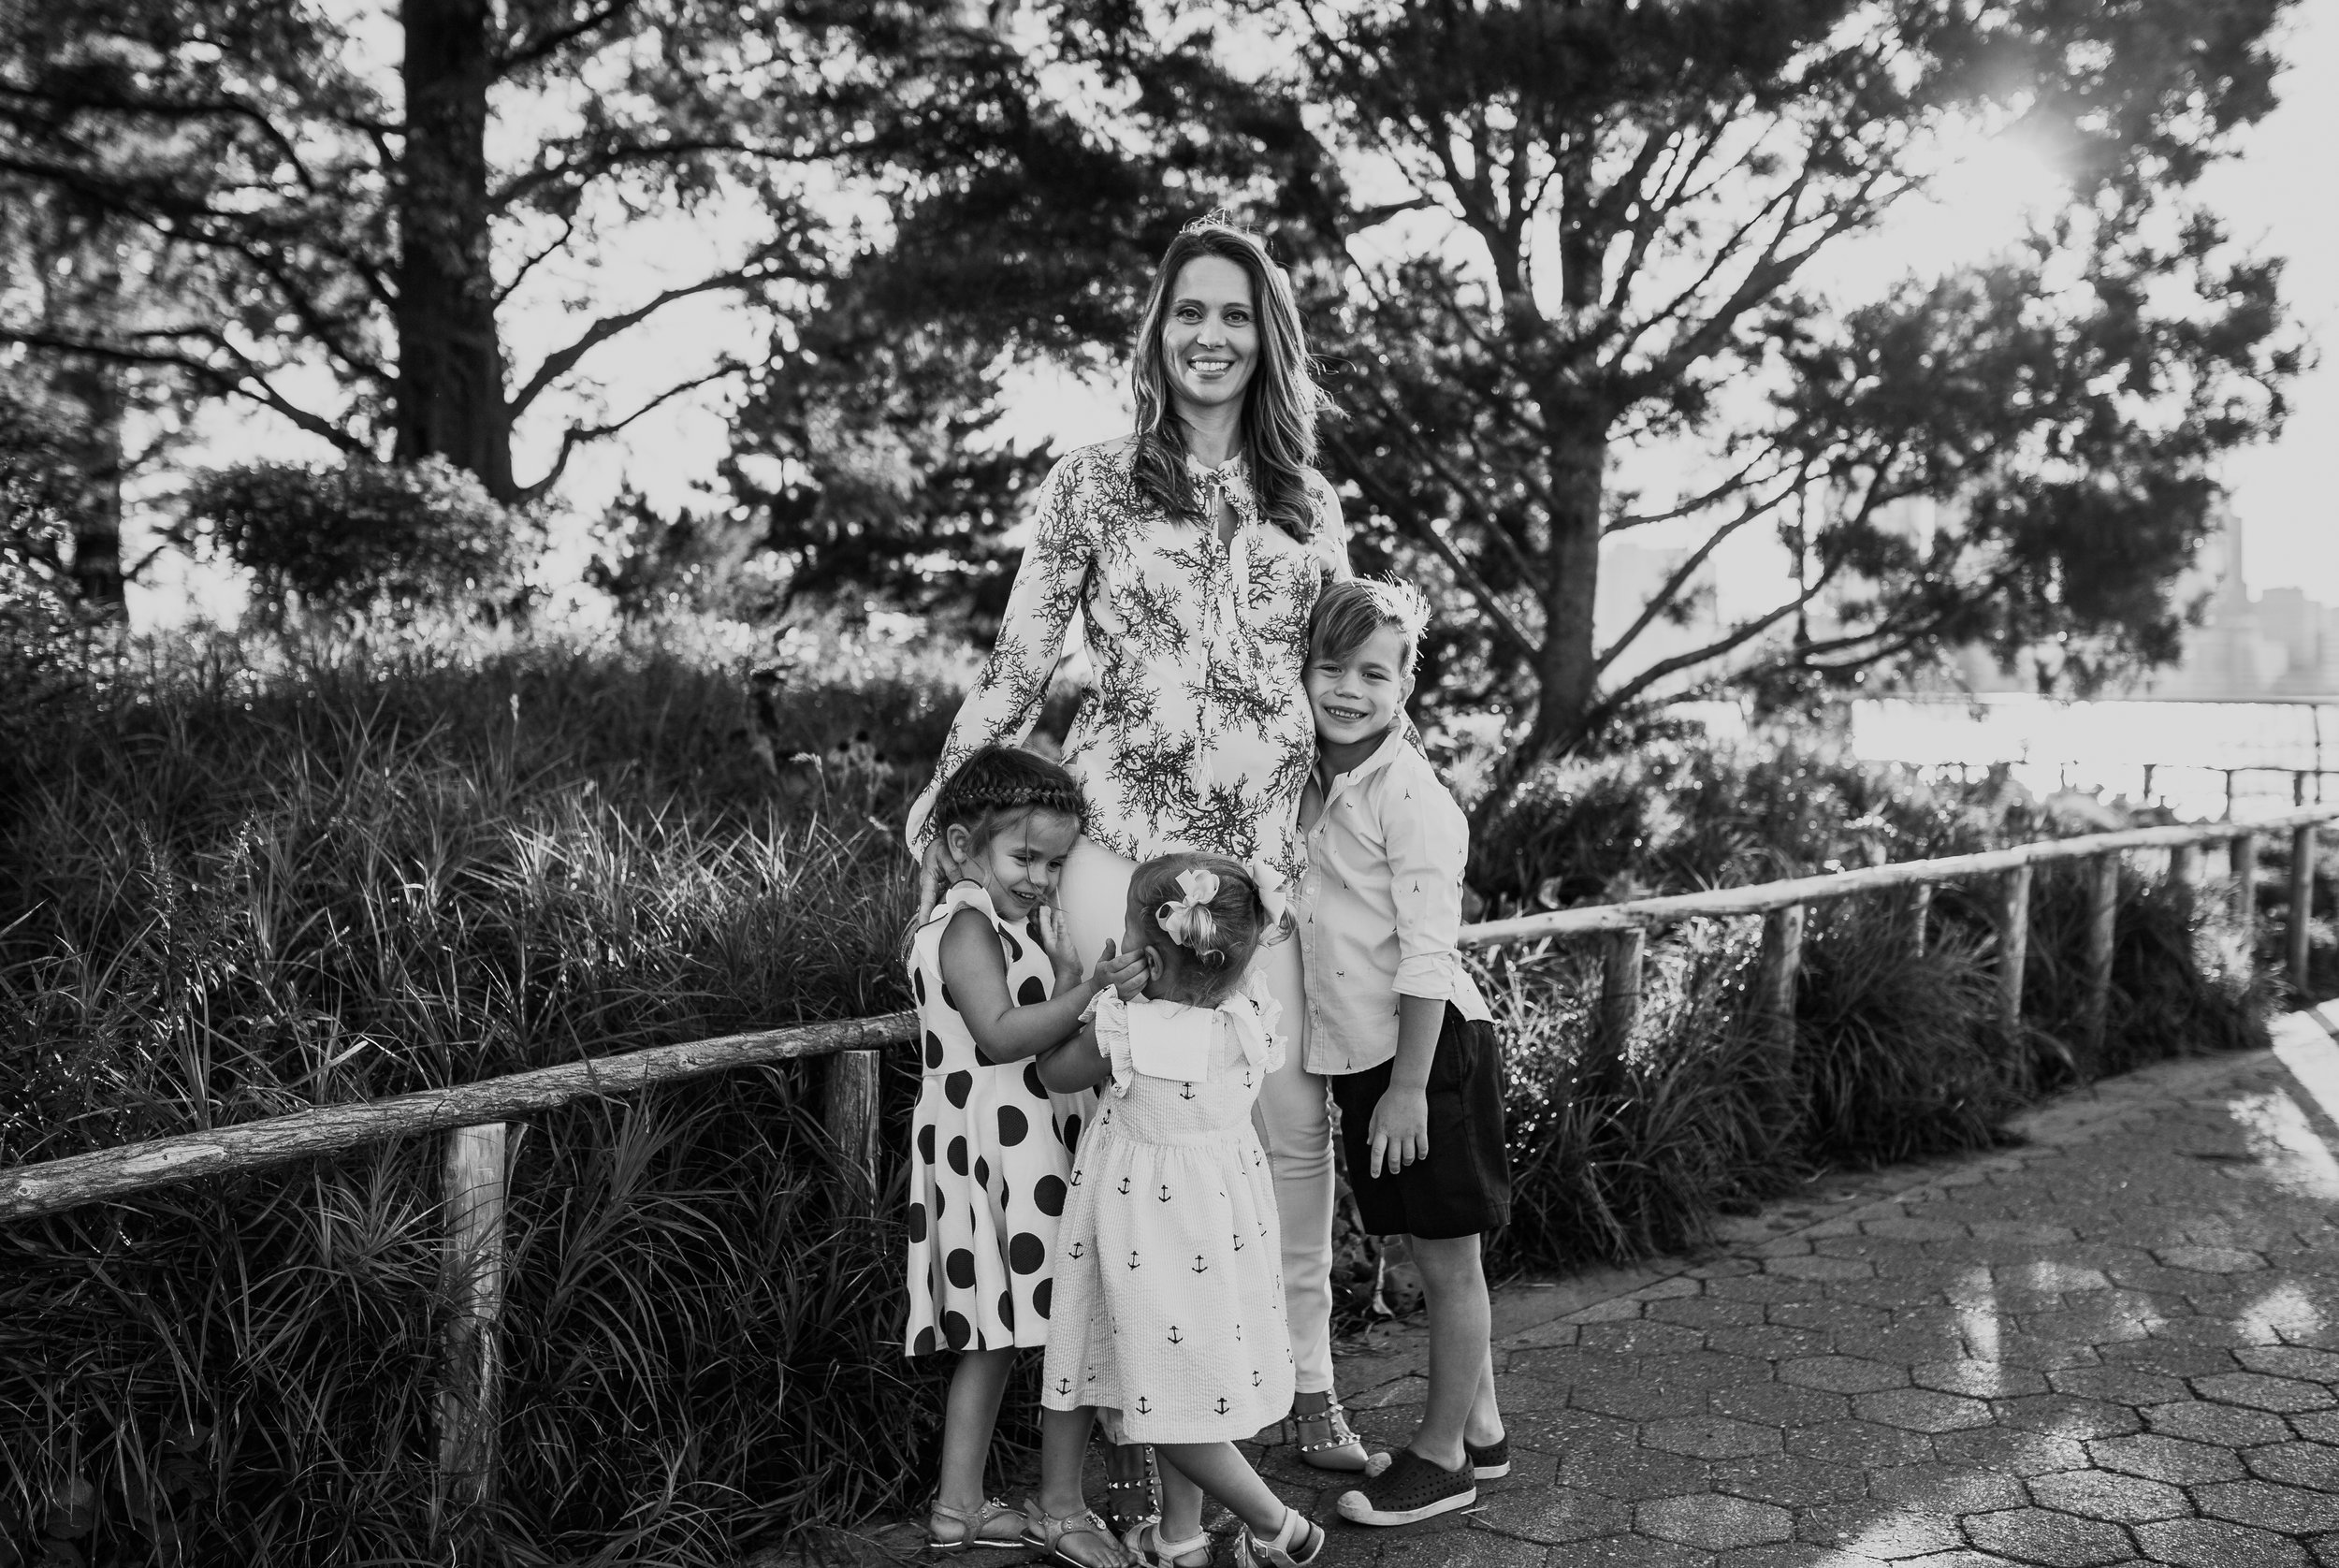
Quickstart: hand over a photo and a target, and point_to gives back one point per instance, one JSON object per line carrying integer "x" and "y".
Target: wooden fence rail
{"x": 476, "y": 1116}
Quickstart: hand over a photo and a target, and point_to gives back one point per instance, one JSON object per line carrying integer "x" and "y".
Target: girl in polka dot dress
{"x": 996, "y": 984}
{"x": 1168, "y": 1288}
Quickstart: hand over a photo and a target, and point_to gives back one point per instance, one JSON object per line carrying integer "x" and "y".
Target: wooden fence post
{"x": 2103, "y": 904}
{"x": 1774, "y": 985}
{"x": 2014, "y": 941}
{"x": 473, "y": 1195}
{"x": 1620, "y": 961}
{"x": 854, "y": 1078}
{"x": 2301, "y": 903}
{"x": 2183, "y": 877}
{"x": 2241, "y": 853}
{"x": 1920, "y": 917}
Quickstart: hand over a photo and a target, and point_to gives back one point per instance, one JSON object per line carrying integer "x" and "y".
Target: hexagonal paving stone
{"x": 2057, "y": 1540}
{"x": 1705, "y": 1312}
{"x": 1945, "y": 1488}
{"x": 1980, "y": 1380}
{"x": 2292, "y": 1510}
{"x": 1816, "y": 1268}
{"x": 1714, "y": 1523}
{"x": 1921, "y": 1410}
{"x": 1633, "y": 1473}
{"x": 1869, "y": 1529}
{"x": 2317, "y": 1426}
{"x": 2101, "y": 1494}
{"x": 2215, "y": 1543}
{"x": 1765, "y": 1287}
{"x": 1782, "y": 1554}
{"x": 2228, "y": 1426}
{"x": 2296, "y": 1464}
{"x": 2012, "y": 1450}
{"x": 2290, "y": 1360}
{"x": 2261, "y": 1392}
{"x": 1792, "y": 1481}
{"x": 1832, "y": 1318}
{"x": 2038, "y": 1352}
{"x": 1705, "y": 1369}
{"x": 1553, "y": 1515}
{"x": 2166, "y": 1459}
{"x": 1711, "y": 1437}
{"x": 1642, "y": 1338}
{"x": 1861, "y": 1442}
{"x": 1461, "y": 1548}
{"x": 1779, "y": 1404}
{"x": 1772, "y": 1341}
{"x": 2063, "y": 1415}
{"x": 1902, "y": 1229}
{"x": 2119, "y": 1385}
{"x": 2209, "y": 1260}
{"x": 1627, "y": 1552}
{"x": 1842, "y": 1374}
{"x": 2173, "y": 1360}
{"x": 1635, "y": 1398}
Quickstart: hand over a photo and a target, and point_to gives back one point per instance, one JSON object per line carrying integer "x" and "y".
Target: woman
{"x": 1195, "y": 549}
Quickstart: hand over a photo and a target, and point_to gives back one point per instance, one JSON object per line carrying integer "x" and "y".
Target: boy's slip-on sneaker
{"x": 1411, "y": 1488}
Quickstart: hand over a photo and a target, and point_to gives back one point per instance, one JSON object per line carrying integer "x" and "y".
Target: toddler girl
{"x": 1169, "y": 1298}
{"x": 996, "y": 983}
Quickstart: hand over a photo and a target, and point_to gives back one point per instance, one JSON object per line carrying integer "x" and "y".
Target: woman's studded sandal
{"x": 1050, "y": 1534}
{"x": 1132, "y": 1488}
{"x": 994, "y": 1524}
{"x": 1340, "y": 1449}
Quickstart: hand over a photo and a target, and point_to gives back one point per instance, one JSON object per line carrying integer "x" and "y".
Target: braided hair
{"x": 1204, "y": 945}
{"x": 999, "y": 784}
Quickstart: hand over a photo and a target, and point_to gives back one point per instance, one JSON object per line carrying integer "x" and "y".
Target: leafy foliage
{"x": 364, "y": 535}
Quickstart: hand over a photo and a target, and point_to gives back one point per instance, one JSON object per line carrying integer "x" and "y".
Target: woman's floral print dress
{"x": 1197, "y": 735}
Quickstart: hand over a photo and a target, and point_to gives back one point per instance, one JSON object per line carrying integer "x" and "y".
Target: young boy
{"x": 1397, "y": 1023}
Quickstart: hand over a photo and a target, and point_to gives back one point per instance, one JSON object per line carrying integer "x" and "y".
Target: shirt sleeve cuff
{"x": 1435, "y": 976}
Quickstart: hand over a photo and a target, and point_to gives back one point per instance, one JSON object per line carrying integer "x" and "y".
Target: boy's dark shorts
{"x": 1465, "y": 1186}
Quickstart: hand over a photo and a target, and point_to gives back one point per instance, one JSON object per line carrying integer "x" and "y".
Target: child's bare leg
{"x": 1485, "y": 1425}
{"x": 1063, "y": 1441}
{"x": 973, "y": 1410}
{"x": 1181, "y": 1500}
{"x": 1220, "y": 1469}
{"x": 1462, "y": 1371}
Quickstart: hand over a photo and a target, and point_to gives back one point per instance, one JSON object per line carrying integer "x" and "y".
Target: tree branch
{"x": 560, "y": 364}
{"x": 580, "y": 435}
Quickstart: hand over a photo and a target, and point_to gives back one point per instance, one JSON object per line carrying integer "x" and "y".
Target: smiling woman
{"x": 1194, "y": 550}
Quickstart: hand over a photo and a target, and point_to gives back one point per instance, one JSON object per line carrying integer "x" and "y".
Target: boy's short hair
{"x": 1348, "y": 613}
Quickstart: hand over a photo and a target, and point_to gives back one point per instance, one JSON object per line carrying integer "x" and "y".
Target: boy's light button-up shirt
{"x": 1380, "y": 904}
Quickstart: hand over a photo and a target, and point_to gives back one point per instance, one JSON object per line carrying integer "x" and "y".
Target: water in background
{"x": 2195, "y": 751}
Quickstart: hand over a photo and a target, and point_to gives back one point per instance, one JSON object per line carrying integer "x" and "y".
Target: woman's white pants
{"x": 1293, "y": 1115}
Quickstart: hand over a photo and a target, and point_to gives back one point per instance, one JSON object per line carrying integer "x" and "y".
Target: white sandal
{"x": 971, "y": 1527}
{"x": 1166, "y": 1554}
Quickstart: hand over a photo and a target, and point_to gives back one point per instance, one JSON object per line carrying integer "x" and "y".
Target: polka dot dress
{"x": 990, "y": 1159}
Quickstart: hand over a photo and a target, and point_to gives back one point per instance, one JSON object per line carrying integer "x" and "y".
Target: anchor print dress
{"x": 990, "y": 1158}
{"x": 1170, "y": 1297}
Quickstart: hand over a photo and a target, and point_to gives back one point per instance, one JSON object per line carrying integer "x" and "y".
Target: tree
{"x": 365, "y": 226}
{"x": 1614, "y": 217}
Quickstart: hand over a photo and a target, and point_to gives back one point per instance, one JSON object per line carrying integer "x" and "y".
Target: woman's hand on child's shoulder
{"x": 1125, "y": 975}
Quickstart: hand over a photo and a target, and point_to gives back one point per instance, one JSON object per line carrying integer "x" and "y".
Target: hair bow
{"x": 1272, "y": 896}
{"x": 1186, "y": 919}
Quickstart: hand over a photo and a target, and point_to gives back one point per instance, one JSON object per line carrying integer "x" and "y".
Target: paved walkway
{"x": 2116, "y": 1341}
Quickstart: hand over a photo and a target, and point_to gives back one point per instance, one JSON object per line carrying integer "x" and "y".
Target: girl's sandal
{"x": 1152, "y": 1551}
{"x": 1339, "y": 1449}
{"x": 1130, "y": 1495}
{"x": 1050, "y": 1534}
{"x": 994, "y": 1524}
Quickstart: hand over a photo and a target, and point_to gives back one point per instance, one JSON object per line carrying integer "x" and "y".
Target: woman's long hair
{"x": 1278, "y": 407}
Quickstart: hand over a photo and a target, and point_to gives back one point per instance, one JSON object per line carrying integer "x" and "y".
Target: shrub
{"x": 362, "y": 535}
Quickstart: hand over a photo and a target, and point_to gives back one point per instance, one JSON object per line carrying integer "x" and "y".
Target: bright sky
{"x": 2269, "y": 196}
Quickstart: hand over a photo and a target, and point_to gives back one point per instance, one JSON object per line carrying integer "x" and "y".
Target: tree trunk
{"x": 96, "y": 388}
{"x": 1564, "y": 674}
{"x": 450, "y": 362}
